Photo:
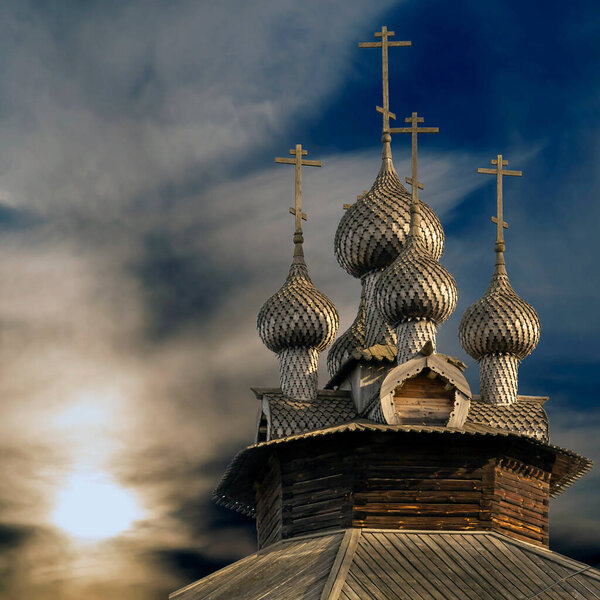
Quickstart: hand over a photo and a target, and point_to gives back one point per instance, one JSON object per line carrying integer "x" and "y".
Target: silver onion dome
{"x": 352, "y": 339}
{"x": 374, "y": 229}
{"x": 415, "y": 286}
{"x": 500, "y": 322}
{"x": 298, "y": 315}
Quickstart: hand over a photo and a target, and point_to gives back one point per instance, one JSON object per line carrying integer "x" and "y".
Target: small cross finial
{"x": 384, "y": 44}
{"x": 499, "y": 171}
{"x": 413, "y": 181}
{"x": 298, "y": 162}
{"x": 359, "y": 197}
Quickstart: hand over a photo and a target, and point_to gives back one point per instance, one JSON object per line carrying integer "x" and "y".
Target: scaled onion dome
{"x": 352, "y": 339}
{"x": 374, "y": 229}
{"x": 415, "y": 286}
{"x": 298, "y": 315}
{"x": 499, "y": 322}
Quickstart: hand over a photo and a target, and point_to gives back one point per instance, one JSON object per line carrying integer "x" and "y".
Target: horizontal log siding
{"x": 316, "y": 493}
{"x": 521, "y": 506}
{"x": 420, "y": 488}
{"x": 422, "y": 399}
{"x": 418, "y": 482}
{"x": 268, "y": 506}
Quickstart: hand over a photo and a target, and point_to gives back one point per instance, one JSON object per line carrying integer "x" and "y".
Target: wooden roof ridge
{"x": 259, "y": 392}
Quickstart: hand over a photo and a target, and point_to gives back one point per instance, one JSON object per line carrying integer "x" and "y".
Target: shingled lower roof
{"x": 288, "y": 417}
{"x": 372, "y": 564}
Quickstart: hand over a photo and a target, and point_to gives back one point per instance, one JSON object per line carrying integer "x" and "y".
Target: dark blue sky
{"x": 143, "y": 223}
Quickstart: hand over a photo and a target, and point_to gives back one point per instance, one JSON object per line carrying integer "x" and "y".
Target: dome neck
{"x": 387, "y": 166}
{"x": 500, "y": 266}
{"x": 415, "y": 220}
{"x": 298, "y": 267}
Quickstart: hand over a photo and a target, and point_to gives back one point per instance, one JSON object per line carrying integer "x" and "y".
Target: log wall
{"x": 268, "y": 506}
{"x": 421, "y": 483}
{"x": 521, "y": 503}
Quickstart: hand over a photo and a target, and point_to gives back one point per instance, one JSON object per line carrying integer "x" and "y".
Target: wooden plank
{"x": 448, "y": 585}
{"x": 523, "y": 569}
{"x": 483, "y": 567}
{"x": 397, "y": 543}
{"x": 342, "y": 566}
{"x": 417, "y": 495}
{"x": 373, "y": 586}
{"x": 429, "y": 484}
{"x": 468, "y": 585}
{"x": 427, "y": 509}
{"x": 422, "y": 386}
{"x": 420, "y": 522}
{"x": 385, "y": 555}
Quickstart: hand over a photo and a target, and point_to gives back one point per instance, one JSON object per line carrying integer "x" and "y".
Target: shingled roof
{"x": 288, "y": 417}
{"x": 403, "y": 565}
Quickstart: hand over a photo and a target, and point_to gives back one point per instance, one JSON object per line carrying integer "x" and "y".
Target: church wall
{"x": 521, "y": 503}
{"x": 268, "y": 506}
{"x": 431, "y": 483}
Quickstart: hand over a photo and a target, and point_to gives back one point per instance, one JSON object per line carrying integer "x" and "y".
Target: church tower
{"x": 394, "y": 481}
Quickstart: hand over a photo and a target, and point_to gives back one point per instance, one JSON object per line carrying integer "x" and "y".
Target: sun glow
{"x": 92, "y": 507}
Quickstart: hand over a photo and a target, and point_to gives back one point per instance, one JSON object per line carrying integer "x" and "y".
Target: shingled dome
{"x": 298, "y": 315}
{"x": 499, "y": 322}
{"x": 374, "y": 229}
{"x": 351, "y": 340}
{"x": 416, "y": 286}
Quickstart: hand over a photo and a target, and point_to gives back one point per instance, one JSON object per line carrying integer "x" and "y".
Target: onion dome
{"x": 374, "y": 229}
{"x": 415, "y": 286}
{"x": 298, "y": 315}
{"x": 352, "y": 339}
{"x": 500, "y": 322}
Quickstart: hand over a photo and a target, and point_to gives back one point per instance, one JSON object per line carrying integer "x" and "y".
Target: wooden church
{"x": 395, "y": 481}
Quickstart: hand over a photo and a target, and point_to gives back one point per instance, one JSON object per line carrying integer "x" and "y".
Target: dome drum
{"x": 412, "y": 335}
{"x": 298, "y": 372}
{"x": 498, "y": 378}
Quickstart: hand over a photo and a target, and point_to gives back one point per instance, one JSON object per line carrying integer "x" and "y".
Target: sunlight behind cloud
{"x": 92, "y": 507}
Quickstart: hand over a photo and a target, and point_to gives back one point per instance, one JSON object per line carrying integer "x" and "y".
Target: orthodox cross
{"x": 299, "y": 162}
{"x": 384, "y": 44}
{"x": 499, "y": 171}
{"x": 414, "y": 130}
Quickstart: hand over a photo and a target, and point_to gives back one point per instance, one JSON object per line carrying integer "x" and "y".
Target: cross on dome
{"x": 359, "y": 197}
{"x": 384, "y": 44}
{"x": 413, "y": 181}
{"x": 299, "y": 162}
{"x": 499, "y": 171}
